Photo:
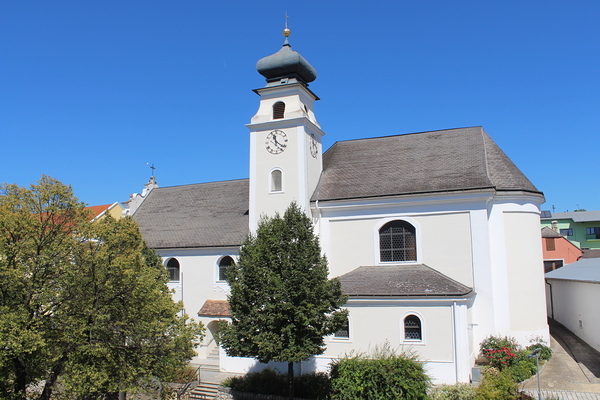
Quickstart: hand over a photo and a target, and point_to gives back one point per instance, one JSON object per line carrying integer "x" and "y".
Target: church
{"x": 434, "y": 235}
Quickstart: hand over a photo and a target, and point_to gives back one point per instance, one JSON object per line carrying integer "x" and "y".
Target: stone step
{"x": 204, "y": 391}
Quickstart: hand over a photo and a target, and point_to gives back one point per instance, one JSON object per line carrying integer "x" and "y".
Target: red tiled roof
{"x": 217, "y": 308}
{"x": 97, "y": 210}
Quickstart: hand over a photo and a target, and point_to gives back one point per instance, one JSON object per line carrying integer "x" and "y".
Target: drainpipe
{"x": 551, "y": 300}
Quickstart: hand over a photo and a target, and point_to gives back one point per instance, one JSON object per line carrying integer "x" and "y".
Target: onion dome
{"x": 286, "y": 63}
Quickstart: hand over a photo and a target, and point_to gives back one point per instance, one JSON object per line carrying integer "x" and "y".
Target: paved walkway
{"x": 573, "y": 372}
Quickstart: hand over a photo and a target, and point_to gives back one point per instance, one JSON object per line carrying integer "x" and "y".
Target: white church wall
{"x": 198, "y": 283}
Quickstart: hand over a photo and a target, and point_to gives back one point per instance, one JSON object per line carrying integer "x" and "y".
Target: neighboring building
{"x": 434, "y": 235}
{"x": 573, "y": 294}
{"x": 115, "y": 210}
{"x": 582, "y": 228}
{"x": 557, "y": 250}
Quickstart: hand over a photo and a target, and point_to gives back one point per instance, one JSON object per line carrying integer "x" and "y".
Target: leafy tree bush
{"x": 522, "y": 370}
{"x": 307, "y": 386}
{"x": 282, "y": 302}
{"x": 496, "y": 385}
{"x": 382, "y": 375}
{"x": 500, "y": 352}
{"x": 545, "y": 352}
{"x": 460, "y": 391}
{"x": 84, "y": 303}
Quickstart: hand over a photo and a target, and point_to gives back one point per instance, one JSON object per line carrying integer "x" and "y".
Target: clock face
{"x": 314, "y": 148}
{"x": 276, "y": 142}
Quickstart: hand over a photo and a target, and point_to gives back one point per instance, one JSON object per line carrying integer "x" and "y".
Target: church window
{"x": 278, "y": 110}
{"x": 412, "y": 328}
{"x": 344, "y": 331}
{"x": 397, "y": 242}
{"x": 224, "y": 265}
{"x": 173, "y": 269}
{"x": 276, "y": 180}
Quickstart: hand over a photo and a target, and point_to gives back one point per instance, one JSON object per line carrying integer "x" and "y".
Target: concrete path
{"x": 573, "y": 372}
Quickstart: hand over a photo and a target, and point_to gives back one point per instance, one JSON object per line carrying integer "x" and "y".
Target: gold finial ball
{"x": 286, "y": 32}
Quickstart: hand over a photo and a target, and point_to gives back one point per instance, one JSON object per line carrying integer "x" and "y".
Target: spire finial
{"x": 286, "y": 31}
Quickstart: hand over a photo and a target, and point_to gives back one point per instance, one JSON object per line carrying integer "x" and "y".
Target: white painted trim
{"x": 413, "y": 342}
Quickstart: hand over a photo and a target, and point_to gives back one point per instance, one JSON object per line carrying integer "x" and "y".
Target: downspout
{"x": 454, "y": 342}
{"x": 551, "y": 300}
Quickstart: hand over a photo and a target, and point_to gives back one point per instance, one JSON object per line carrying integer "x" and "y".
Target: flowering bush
{"x": 501, "y": 352}
{"x": 499, "y": 358}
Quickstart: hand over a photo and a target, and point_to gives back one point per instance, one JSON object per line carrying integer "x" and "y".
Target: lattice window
{"x": 224, "y": 265}
{"x": 344, "y": 331}
{"x": 412, "y": 328}
{"x": 397, "y": 242}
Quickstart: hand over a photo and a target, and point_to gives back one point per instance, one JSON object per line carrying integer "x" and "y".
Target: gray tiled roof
{"x": 550, "y": 233}
{"x": 400, "y": 281}
{"x": 211, "y": 214}
{"x": 437, "y": 161}
{"x": 576, "y": 216}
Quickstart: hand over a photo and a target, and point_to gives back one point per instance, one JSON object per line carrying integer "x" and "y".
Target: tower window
{"x": 397, "y": 242}
{"x": 278, "y": 110}
{"x": 224, "y": 265}
{"x": 412, "y": 328}
{"x": 173, "y": 269}
{"x": 276, "y": 180}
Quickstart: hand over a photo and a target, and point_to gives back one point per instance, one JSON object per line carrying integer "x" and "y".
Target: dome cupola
{"x": 286, "y": 63}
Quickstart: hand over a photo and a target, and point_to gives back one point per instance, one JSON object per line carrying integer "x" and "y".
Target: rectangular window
{"x": 567, "y": 232}
{"x": 592, "y": 233}
{"x": 550, "y": 245}
{"x": 551, "y": 265}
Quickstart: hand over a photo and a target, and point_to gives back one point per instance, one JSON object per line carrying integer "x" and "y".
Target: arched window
{"x": 278, "y": 110}
{"x": 397, "y": 242}
{"x": 276, "y": 180}
{"x": 224, "y": 265}
{"x": 173, "y": 269}
{"x": 412, "y": 328}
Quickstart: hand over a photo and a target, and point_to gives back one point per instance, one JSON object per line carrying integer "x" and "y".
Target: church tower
{"x": 285, "y": 137}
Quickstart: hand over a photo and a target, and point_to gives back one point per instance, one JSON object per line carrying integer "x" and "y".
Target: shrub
{"x": 380, "y": 376}
{"x": 523, "y": 369}
{"x": 545, "y": 353}
{"x": 313, "y": 385}
{"x": 496, "y": 385}
{"x": 500, "y": 352}
{"x": 185, "y": 374}
{"x": 460, "y": 391}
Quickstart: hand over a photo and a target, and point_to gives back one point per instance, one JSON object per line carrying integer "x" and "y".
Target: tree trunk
{"x": 291, "y": 380}
{"x": 20, "y": 382}
{"x": 52, "y": 378}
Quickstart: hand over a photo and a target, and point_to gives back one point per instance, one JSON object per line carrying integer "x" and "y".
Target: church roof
{"x": 211, "y": 214}
{"x": 427, "y": 162}
{"x": 400, "y": 281}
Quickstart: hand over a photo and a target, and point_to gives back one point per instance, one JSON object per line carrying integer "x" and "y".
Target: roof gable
{"x": 436, "y": 161}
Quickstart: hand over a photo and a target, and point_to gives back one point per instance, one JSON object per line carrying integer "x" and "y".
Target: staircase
{"x": 204, "y": 391}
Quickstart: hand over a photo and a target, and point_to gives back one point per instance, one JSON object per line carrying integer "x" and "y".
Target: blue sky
{"x": 92, "y": 91}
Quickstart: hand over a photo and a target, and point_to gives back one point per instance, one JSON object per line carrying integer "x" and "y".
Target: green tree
{"x": 84, "y": 303}
{"x": 282, "y": 302}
